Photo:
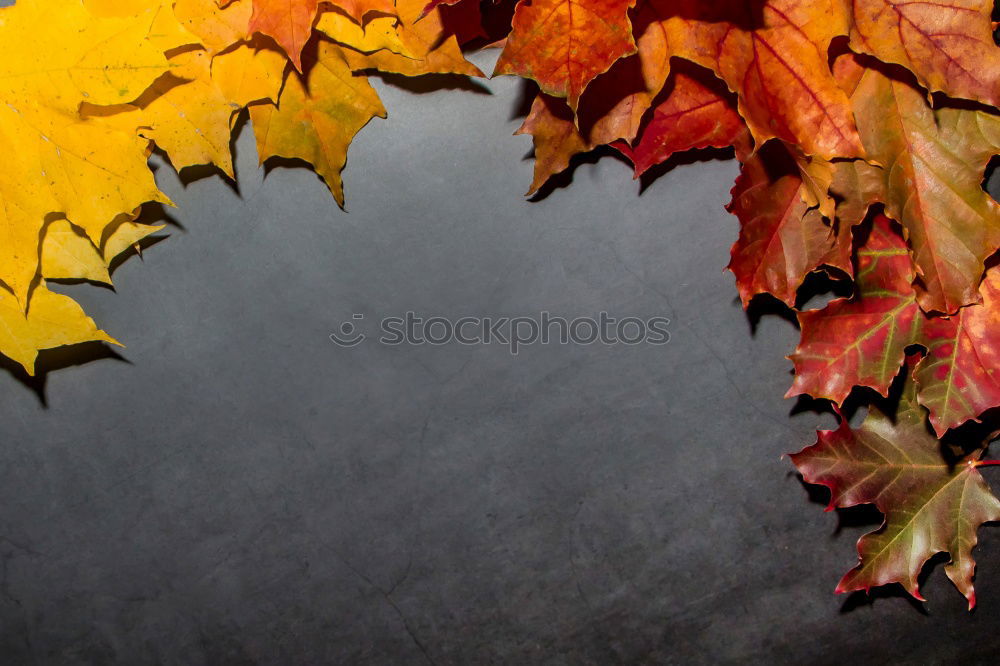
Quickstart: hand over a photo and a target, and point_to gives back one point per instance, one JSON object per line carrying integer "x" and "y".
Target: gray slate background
{"x": 239, "y": 490}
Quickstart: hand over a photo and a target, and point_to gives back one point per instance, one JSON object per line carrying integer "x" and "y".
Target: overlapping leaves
{"x": 931, "y": 505}
{"x": 120, "y": 79}
{"x": 864, "y": 130}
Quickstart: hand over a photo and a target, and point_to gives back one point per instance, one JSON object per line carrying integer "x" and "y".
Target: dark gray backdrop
{"x": 237, "y": 489}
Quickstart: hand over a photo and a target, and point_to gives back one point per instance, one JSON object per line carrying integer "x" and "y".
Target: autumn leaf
{"x": 564, "y": 44}
{"x": 80, "y": 155}
{"x": 217, "y": 27}
{"x": 248, "y": 74}
{"x": 947, "y": 44}
{"x": 615, "y": 103}
{"x": 378, "y": 33}
{"x": 932, "y": 182}
{"x": 124, "y": 235}
{"x": 434, "y": 4}
{"x": 97, "y": 60}
{"x": 431, "y": 48}
{"x": 958, "y": 380}
{"x": 774, "y": 56}
{"x": 165, "y": 32}
{"x": 288, "y": 22}
{"x": 101, "y": 60}
{"x": 189, "y": 113}
{"x": 930, "y": 506}
{"x": 68, "y": 254}
{"x": 316, "y": 118}
{"x": 861, "y": 341}
{"x": 52, "y": 321}
{"x": 817, "y": 176}
{"x": 781, "y": 238}
{"x": 692, "y": 114}
{"x": 856, "y": 185}
{"x": 363, "y": 10}
{"x": 554, "y": 135}
{"x": 190, "y": 120}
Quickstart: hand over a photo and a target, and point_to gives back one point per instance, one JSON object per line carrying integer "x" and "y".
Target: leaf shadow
{"x": 991, "y": 177}
{"x": 970, "y": 437}
{"x": 564, "y": 178}
{"x": 747, "y": 15}
{"x": 526, "y": 93}
{"x": 495, "y": 21}
{"x": 867, "y": 599}
{"x": 59, "y": 358}
{"x": 683, "y": 158}
{"x": 822, "y": 286}
{"x": 817, "y": 289}
{"x": 429, "y": 83}
{"x": 144, "y": 244}
{"x": 278, "y": 162}
{"x": 189, "y": 175}
{"x": 857, "y": 403}
{"x": 860, "y": 516}
{"x": 763, "y": 305}
{"x": 151, "y": 213}
{"x": 154, "y": 212}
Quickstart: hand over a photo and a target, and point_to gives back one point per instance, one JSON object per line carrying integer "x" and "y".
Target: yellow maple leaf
{"x": 86, "y": 170}
{"x": 165, "y": 31}
{"x": 249, "y": 74}
{"x": 190, "y": 120}
{"x": 381, "y": 32}
{"x": 125, "y": 236}
{"x": 52, "y": 321}
{"x": 67, "y": 254}
{"x": 189, "y": 113}
{"x": 432, "y": 50}
{"x": 316, "y": 119}
{"x": 57, "y": 163}
{"x": 216, "y": 27}
{"x": 103, "y": 60}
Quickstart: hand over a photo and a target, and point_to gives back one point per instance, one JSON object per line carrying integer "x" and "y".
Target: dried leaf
{"x": 564, "y": 44}
{"x": 316, "y": 119}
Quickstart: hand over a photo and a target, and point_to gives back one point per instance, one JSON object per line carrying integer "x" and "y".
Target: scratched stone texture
{"x": 236, "y": 489}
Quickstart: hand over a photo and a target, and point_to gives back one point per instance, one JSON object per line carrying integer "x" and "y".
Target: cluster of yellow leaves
{"x": 91, "y": 87}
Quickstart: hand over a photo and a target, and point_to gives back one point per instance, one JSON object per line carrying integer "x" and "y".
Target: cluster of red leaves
{"x": 863, "y": 129}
